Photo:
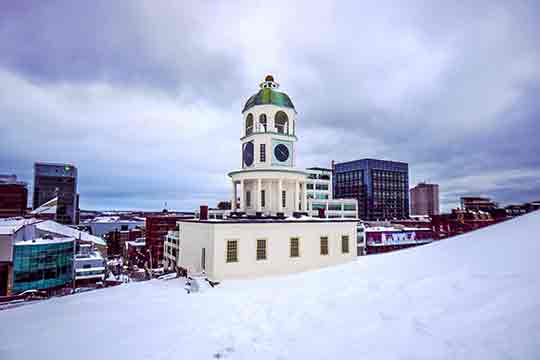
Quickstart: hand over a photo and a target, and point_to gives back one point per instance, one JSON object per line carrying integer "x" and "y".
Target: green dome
{"x": 269, "y": 96}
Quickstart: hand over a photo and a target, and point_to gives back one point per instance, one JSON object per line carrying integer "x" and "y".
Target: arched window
{"x": 262, "y": 122}
{"x": 282, "y": 122}
{"x": 249, "y": 124}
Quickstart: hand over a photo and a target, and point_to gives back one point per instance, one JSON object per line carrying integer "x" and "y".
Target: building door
{"x": 203, "y": 259}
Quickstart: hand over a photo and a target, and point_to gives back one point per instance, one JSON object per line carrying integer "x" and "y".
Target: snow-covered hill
{"x": 476, "y": 296}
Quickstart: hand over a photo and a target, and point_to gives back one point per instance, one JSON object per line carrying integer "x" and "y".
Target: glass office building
{"x": 57, "y": 180}
{"x": 42, "y": 264}
{"x": 381, "y": 187}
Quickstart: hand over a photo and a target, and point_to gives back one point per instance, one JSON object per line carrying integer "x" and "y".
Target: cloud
{"x": 146, "y": 97}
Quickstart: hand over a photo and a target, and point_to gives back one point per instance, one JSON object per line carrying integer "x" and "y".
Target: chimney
{"x": 322, "y": 215}
{"x": 203, "y": 212}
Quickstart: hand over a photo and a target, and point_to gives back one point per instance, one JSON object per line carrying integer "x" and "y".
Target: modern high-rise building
{"x": 57, "y": 180}
{"x": 425, "y": 199}
{"x": 380, "y": 186}
{"x": 13, "y": 196}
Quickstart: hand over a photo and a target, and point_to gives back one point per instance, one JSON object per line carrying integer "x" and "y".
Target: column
{"x": 304, "y": 197}
{"x": 234, "y": 197}
{"x": 296, "y": 195}
{"x": 259, "y": 195}
{"x": 280, "y": 189}
{"x": 242, "y": 207}
{"x": 326, "y": 211}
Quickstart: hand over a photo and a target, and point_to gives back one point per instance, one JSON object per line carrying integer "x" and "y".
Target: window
{"x": 324, "y": 245}
{"x": 317, "y": 206}
{"x": 295, "y": 247}
{"x": 345, "y": 244}
{"x": 232, "y": 251}
{"x": 248, "y": 198}
{"x": 282, "y": 122}
{"x": 283, "y": 198}
{"x": 334, "y": 207}
{"x": 249, "y": 124}
{"x": 263, "y": 198}
{"x": 262, "y": 122}
{"x": 262, "y": 152}
{"x": 261, "y": 249}
{"x": 309, "y": 186}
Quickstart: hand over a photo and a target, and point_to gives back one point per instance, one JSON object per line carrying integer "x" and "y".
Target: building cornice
{"x": 284, "y": 136}
{"x": 284, "y": 170}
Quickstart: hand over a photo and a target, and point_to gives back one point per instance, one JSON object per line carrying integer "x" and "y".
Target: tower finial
{"x": 269, "y": 83}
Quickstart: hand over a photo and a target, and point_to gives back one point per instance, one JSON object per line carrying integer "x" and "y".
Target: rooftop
{"x": 44, "y": 241}
{"x": 248, "y": 219}
{"x": 269, "y": 96}
{"x": 319, "y": 169}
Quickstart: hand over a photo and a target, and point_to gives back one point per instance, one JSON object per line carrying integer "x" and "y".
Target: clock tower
{"x": 268, "y": 182}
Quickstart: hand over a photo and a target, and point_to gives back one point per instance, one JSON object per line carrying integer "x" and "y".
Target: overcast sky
{"x": 144, "y": 97}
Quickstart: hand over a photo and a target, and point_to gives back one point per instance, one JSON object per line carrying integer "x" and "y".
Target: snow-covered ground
{"x": 476, "y": 296}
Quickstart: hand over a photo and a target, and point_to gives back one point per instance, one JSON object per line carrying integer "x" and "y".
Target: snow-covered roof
{"x": 12, "y": 225}
{"x": 57, "y": 228}
{"x": 9, "y": 229}
{"x": 394, "y": 229}
{"x": 94, "y": 255}
{"x": 114, "y": 219}
{"x": 135, "y": 243}
{"x": 97, "y": 268}
{"x": 42, "y": 241}
{"x": 48, "y": 207}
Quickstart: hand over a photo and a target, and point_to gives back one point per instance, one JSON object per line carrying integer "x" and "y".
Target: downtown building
{"x": 425, "y": 199}
{"x": 320, "y": 197}
{"x": 477, "y": 203}
{"x": 57, "y": 181}
{"x": 13, "y": 196}
{"x": 41, "y": 254}
{"x": 381, "y": 187}
{"x": 156, "y": 229}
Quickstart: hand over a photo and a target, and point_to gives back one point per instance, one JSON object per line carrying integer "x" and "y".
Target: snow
{"x": 48, "y": 207}
{"x": 42, "y": 241}
{"x": 475, "y": 296}
{"x": 57, "y": 228}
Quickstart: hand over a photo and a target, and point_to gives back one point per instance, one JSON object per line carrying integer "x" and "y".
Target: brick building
{"x": 117, "y": 239}
{"x": 13, "y": 196}
{"x": 157, "y": 227}
{"x": 476, "y": 203}
{"x": 459, "y": 221}
{"x": 425, "y": 199}
{"x": 381, "y": 239}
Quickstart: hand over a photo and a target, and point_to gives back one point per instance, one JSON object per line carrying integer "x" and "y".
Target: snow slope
{"x": 476, "y": 296}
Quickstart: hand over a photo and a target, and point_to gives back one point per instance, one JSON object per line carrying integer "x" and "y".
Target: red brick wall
{"x": 157, "y": 227}
{"x": 13, "y": 200}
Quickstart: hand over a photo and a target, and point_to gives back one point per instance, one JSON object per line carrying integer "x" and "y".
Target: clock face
{"x": 247, "y": 153}
{"x": 281, "y": 152}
